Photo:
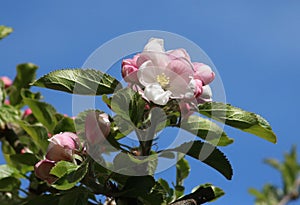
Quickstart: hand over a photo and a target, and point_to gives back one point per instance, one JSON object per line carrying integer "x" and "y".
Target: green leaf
{"x": 78, "y": 196}
{"x": 8, "y": 114}
{"x": 26, "y": 158}
{"x": 8, "y": 171}
{"x": 62, "y": 168}
{"x": 65, "y": 124}
{"x": 2, "y": 92}
{"x": 133, "y": 165}
{"x": 38, "y": 134}
{"x": 9, "y": 184}
{"x": 206, "y": 153}
{"x": 69, "y": 176}
{"x": 182, "y": 169}
{"x": 123, "y": 104}
{"x": 238, "y": 118}
{"x": 43, "y": 112}
{"x": 201, "y": 194}
{"x": 43, "y": 199}
{"x": 25, "y": 76}
{"x": 206, "y": 129}
{"x": 5, "y": 31}
{"x": 137, "y": 186}
{"x": 79, "y": 81}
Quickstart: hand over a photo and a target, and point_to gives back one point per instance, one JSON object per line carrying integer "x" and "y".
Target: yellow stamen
{"x": 163, "y": 80}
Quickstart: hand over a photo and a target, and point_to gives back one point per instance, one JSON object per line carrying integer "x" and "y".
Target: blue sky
{"x": 254, "y": 45}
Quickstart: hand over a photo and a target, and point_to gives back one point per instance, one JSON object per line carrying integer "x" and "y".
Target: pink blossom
{"x": 129, "y": 69}
{"x": 7, "y": 81}
{"x": 62, "y": 146}
{"x": 97, "y": 127}
{"x": 27, "y": 112}
{"x": 42, "y": 170}
{"x": 203, "y": 72}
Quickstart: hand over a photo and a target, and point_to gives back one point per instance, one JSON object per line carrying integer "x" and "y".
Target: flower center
{"x": 163, "y": 80}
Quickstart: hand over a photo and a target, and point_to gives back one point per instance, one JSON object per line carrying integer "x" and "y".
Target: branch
{"x": 292, "y": 195}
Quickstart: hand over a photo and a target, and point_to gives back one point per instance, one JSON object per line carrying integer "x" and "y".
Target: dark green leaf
{"x": 8, "y": 114}
{"x": 74, "y": 197}
{"x": 26, "y": 158}
{"x": 9, "y": 184}
{"x": 137, "y": 186}
{"x": 79, "y": 81}
{"x": 208, "y": 154}
{"x": 206, "y": 129}
{"x": 38, "y": 134}
{"x": 65, "y": 124}
{"x": 5, "y": 31}
{"x": 25, "y": 75}
{"x": 238, "y": 118}
{"x": 44, "y": 199}
{"x": 202, "y": 194}
{"x": 43, "y": 112}
{"x": 2, "y": 92}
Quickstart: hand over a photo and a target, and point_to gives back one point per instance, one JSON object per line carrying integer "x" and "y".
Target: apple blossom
{"x": 203, "y": 72}
{"x": 27, "y": 112}
{"x": 206, "y": 95}
{"x": 42, "y": 170}
{"x": 97, "y": 127}
{"x": 62, "y": 146}
{"x": 7, "y": 81}
{"x": 129, "y": 69}
{"x": 165, "y": 75}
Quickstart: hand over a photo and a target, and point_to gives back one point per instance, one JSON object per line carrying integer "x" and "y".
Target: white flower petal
{"x": 156, "y": 94}
{"x": 206, "y": 94}
{"x": 155, "y": 45}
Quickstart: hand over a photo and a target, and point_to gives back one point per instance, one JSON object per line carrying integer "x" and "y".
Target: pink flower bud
{"x": 62, "y": 146}
{"x": 129, "y": 69}
{"x": 42, "y": 170}
{"x": 97, "y": 127}
{"x": 27, "y": 112}
{"x": 203, "y": 72}
{"x": 7, "y": 81}
{"x": 6, "y": 102}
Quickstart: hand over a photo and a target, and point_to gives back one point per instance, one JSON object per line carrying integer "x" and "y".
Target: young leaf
{"x": 206, "y": 129}
{"x": 38, "y": 134}
{"x": 71, "y": 177}
{"x": 238, "y": 118}
{"x": 206, "y": 153}
{"x": 182, "y": 169}
{"x": 5, "y": 31}
{"x": 65, "y": 124}
{"x": 43, "y": 112}
{"x": 8, "y": 114}
{"x": 79, "y": 81}
{"x": 25, "y": 75}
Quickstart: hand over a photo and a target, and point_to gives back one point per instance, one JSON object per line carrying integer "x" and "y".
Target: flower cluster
{"x": 61, "y": 147}
{"x": 165, "y": 75}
